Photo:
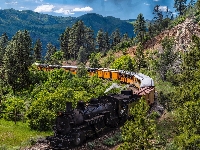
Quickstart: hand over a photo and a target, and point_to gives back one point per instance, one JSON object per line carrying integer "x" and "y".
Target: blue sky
{"x": 123, "y": 9}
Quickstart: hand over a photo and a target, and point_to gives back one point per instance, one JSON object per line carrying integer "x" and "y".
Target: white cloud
{"x": 83, "y": 9}
{"x": 11, "y": 3}
{"x": 146, "y": 4}
{"x": 64, "y": 11}
{"x": 163, "y": 8}
{"x": 44, "y": 8}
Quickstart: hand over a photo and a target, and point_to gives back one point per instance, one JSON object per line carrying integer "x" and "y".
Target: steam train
{"x": 73, "y": 126}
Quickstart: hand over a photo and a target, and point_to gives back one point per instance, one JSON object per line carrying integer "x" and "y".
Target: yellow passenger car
{"x": 100, "y": 72}
{"x": 115, "y": 75}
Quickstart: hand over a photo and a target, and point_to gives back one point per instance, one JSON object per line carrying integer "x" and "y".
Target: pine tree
{"x": 3, "y": 44}
{"x": 140, "y": 28}
{"x": 51, "y": 49}
{"x": 150, "y": 30}
{"x": 89, "y": 40}
{"x": 125, "y": 37}
{"x": 64, "y": 42}
{"x": 180, "y": 6}
{"x": 167, "y": 57}
{"x": 139, "y": 56}
{"x": 100, "y": 40}
{"x": 107, "y": 41}
{"x": 38, "y": 50}
{"x": 116, "y": 37}
{"x": 17, "y": 60}
{"x": 77, "y": 38}
{"x": 82, "y": 55}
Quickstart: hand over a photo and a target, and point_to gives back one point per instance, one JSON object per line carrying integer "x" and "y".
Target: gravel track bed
{"x": 90, "y": 144}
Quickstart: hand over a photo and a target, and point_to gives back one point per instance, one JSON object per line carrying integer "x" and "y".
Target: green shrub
{"x": 13, "y": 105}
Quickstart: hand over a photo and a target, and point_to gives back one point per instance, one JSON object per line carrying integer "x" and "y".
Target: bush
{"x": 13, "y": 105}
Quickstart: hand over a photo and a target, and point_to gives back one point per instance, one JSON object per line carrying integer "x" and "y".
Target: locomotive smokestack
{"x": 68, "y": 106}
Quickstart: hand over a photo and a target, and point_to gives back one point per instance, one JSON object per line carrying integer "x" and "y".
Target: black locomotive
{"x": 73, "y": 126}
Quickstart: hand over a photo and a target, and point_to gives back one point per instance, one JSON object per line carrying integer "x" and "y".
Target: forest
{"x": 35, "y": 96}
{"x": 44, "y": 26}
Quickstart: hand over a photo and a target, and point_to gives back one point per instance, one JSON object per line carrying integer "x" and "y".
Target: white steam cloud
{"x": 115, "y": 85}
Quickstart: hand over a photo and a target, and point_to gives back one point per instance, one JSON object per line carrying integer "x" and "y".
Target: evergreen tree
{"x": 94, "y": 60}
{"x": 140, "y": 28}
{"x": 167, "y": 57}
{"x": 151, "y": 30}
{"x": 180, "y": 6}
{"x": 89, "y": 40}
{"x": 139, "y": 56}
{"x": 3, "y": 44}
{"x": 51, "y": 49}
{"x": 125, "y": 37}
{"x": 17, "y": 60}
{"x": 82, "y": 71}
{"x": 107, "y": 41}
{"x": 100, "y": 40}
{"x": 158, "y": 19}
{"x": 82, "y": 55}
{"x": 80, "y": 35}
{"x": 64, "y": 42}
{"x": 116, "y": 37}
{"x": 37, "y": 50}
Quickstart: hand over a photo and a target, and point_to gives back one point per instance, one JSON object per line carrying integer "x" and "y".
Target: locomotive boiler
{"x": 74, "y": 126}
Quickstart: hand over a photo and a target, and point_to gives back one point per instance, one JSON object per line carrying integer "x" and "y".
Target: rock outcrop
{"x": 182, "y": 34}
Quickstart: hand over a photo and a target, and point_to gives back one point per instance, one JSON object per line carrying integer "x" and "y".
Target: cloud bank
{"x": 67, "y": 10}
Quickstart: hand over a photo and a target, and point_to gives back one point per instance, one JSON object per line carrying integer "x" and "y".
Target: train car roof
{"x": 145, "y": 80}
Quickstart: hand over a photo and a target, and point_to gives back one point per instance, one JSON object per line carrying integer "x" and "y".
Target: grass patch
{"x": 14, "y": 136}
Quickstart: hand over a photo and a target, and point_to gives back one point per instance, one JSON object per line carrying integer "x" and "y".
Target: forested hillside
{"x": 48, "y": 28}
{"x": 166, "y": 49}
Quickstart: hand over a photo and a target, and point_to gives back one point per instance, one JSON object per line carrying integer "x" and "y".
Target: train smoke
{"x": 115, "y": 85}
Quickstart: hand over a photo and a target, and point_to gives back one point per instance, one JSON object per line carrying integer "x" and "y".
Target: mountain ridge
{"x": 48, "y": 28}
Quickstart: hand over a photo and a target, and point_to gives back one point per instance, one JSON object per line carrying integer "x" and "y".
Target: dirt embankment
{"x": 182, "y": 34}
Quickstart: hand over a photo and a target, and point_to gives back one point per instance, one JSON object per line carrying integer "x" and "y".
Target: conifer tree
{"x": 3, "y": 44}
{"x": 17, "y": 60}
{"x": 116, "y": 37}
{"x": 107, "y": 41}
{"x": 167, "y": 57}
{"x": 125, "y": 37}
{"x": 51, "y": 49}
{"x": 38, "y": 50}
{"x": 100, "y": 40}
{"x": 64, "y": 42}
{"x": 89, "y": 40}
{"x": 140, "y": 28}
{"x": 139, "y": 56}
{"x": 180, "y": 6}
{"x": 82, "y": 55}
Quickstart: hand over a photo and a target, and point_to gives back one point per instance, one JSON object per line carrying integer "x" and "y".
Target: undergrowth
{"x": 16, "y": 136}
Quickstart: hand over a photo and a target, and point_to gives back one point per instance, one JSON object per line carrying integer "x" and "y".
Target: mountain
{"x": 48, "y": 28}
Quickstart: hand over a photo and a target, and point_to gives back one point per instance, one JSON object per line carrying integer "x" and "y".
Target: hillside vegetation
{"x": 168, "y": 52}
{"x": 43, "y": 26}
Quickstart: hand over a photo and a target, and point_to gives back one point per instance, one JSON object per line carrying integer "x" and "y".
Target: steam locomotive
{"x": 73, "y": 126}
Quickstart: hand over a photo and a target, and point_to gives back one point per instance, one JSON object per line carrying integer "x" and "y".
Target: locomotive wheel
{"x": 79, "y": 138}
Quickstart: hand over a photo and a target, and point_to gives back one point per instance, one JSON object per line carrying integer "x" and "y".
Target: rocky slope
{"x": 182, "y": 34}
